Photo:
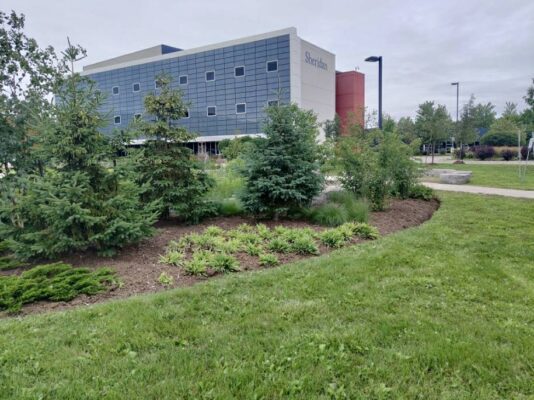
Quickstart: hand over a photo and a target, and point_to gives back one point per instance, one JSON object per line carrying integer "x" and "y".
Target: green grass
{"x": 496, "y": 175}
{"x": 441, "y": 311}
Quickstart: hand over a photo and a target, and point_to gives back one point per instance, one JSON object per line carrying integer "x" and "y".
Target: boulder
{"x": 455, "y": 178}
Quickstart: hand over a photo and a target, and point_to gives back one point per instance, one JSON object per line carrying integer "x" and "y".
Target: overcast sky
{"x": 487, "y": 45}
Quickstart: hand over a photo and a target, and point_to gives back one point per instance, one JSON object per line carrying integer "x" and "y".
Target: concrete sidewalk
{"x": 523, "y": 194}
{"x": 449, "y": 160}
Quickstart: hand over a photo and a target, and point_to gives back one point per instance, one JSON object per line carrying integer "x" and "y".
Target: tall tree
{"x": 484, "y": 115}
{"x": 332, "y": 128}
{"x": 27, "y": 76}
{"x": 465, "y": 132}
{"x": 165, "y": 165}
{"x": 433, "y": 124}
{"x": 283, "y": 170}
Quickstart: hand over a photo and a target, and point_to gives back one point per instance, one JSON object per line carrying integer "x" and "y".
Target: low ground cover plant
{"x": 217, "y": 251}
{"x": 56, "y": 282}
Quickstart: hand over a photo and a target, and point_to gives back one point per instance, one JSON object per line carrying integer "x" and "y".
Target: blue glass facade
{"x": 254, "y": 89}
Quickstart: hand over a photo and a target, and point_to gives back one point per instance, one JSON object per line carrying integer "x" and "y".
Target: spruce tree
{"x": 78, "y": 203}
{"x": 165, "y": 166}
{"x": 282, "y": 171}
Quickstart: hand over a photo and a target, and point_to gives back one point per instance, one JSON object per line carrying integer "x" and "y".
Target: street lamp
{"x": 457, "y": 84}
{"x": 379, "y": 59}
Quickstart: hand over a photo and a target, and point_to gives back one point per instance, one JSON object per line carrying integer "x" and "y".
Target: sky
{"x": 487, "y": 46}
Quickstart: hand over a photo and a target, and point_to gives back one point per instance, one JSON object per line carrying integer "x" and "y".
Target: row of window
{"x": 271, "y": 66}
{"x": 211, "y": 111}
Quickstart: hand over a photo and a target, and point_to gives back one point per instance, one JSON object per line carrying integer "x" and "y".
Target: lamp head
{"x": 373, "y": 59}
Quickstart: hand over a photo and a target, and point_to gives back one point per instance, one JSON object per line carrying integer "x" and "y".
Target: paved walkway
{"x": 524, "y": 194}
{"x": 449, "y": 160}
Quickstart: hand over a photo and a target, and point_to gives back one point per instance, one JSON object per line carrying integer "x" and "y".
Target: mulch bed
{"x": 138, "y": 267}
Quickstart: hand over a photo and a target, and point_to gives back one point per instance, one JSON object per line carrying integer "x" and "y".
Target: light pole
{"x": 379, "y": 59}
{"x": 457, "y": 84}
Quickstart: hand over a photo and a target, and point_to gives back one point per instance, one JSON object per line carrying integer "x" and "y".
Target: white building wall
{"x": 314, "y": 87}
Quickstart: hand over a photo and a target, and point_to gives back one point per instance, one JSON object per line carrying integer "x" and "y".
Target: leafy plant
{"x": 421, "y": 192}
{"x": 223, "y": 262}
{"x": 304, "y": 244}
{"x": 253, "y": 249}
{"x": 53, "y": 282}
{"x": 268, "y": 260}
{"x": 362, "y": 230}
{"x": 172, "y": 257}
{"x": 279, "y": 245}
{"x": 198, "y": 263}
{"x": 333, "y": 238}
{"x": 165, "y": 279}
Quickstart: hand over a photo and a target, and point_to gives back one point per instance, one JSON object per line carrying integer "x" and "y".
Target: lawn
{"x": 496, "y": 175}
{"x": 441, "y": 311}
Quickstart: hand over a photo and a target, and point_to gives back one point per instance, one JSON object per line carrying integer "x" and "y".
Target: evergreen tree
{"x": 165, "y": 166}
{"x": 77, "y": 204}
{"x": 282, "y": 172}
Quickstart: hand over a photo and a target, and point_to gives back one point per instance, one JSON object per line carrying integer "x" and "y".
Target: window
{"x": 117, "y": 119}
{"x": 240, "y": 108}
{"x": 136, "y": 87}
{"x": 183, "y": 80}
{"x": 239, "y": 71}
{"x": 115, "y": 90}
{"x": 272, "y": 66}
{"x": 210, "y": 76}
{"x": 186, "y": 114}
{"x": 212, "y": 111}
{"x": 157, "y": 84}
{"x": 272, "y": 103}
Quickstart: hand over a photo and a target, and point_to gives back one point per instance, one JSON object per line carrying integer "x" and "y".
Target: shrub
{"x": 375, "y": 165}
{"x": 421, "y": 192}
{"x": 507, "y": 154}
{"x": 165, "y": 279}
{"x": 329, "y": 214}
{"x": 172, "y": 258}
{"x": 224, "y": 263}
{"x": 333, "y": 238}
{"x": 282, "y": 171}
{"x": 483, "y": 152}
{"x": 268, "y": 260}
{"x": 53, "y": 282}
{"x": 503, "y": 132}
